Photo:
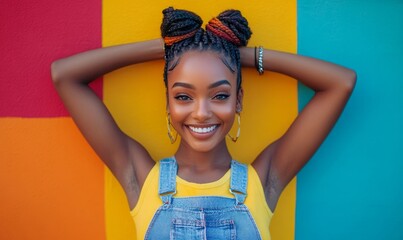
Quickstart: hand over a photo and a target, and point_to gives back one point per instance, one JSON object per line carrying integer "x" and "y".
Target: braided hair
{"x": 182, "y": 31}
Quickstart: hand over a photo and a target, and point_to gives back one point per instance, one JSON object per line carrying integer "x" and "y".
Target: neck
{"x": 217, "y": 157}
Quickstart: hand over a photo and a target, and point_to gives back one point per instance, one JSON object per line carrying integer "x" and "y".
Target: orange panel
{"x": 51, "y": 182}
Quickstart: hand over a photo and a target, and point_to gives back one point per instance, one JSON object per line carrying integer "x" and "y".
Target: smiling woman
{"x": 203, "y": 99}
{"x": 201, "y": 191}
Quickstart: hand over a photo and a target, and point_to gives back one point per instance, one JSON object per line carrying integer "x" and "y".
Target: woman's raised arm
{"x": 126, "y": 158}
{"x": 333, "y": 84}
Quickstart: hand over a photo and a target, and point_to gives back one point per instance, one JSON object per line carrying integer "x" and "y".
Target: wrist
{"x": 247, "y": 56}
{"x": 156, "y": 48}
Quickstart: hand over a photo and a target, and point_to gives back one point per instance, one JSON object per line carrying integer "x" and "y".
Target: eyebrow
{"x": 213, "y": 85}
{"x": 182, "y": 84}
{"x": 219, "y": 83}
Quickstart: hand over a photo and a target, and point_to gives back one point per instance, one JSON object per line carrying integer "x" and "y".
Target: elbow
{"x": 352, "y": 79}
{"x": 60, "y": 73}
{"x": 348, "y": 80}
{"x": 55, "y": 72}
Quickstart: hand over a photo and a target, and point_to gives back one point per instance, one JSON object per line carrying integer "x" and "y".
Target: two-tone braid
{"x": 182, "y": 32}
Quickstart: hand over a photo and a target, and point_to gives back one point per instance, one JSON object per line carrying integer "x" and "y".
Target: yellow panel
{"x": 119, "y": 224}
{"x": 136, "y": 96}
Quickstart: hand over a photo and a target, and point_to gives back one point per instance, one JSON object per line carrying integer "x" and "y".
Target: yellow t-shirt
{"x": 149, "y": 200}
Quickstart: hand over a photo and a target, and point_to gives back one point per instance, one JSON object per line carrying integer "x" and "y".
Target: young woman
{"x": 201, "y": 192}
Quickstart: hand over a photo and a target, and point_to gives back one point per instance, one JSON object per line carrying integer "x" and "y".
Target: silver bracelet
{"x": 260, "y": 68}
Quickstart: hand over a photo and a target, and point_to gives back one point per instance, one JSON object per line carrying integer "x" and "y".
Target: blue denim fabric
{"x": 202, "y": 217}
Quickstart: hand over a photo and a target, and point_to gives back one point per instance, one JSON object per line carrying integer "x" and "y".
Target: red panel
{"x": 32, "y": 35}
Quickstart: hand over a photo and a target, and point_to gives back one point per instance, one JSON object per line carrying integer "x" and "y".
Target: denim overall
{"x": 206, "y": 217}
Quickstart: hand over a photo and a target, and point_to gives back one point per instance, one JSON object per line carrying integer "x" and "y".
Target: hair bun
{"x": 232, "y": 26}
{"x": 179, "y": 24}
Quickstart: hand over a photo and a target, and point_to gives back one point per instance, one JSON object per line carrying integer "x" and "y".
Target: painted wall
{"x": 51, "y": 181}
{"x": 53, "y": 186}
{"x": 352, "y": 188}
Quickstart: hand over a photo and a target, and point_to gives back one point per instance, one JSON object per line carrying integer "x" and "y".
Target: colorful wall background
{"x": 53, "y": 186}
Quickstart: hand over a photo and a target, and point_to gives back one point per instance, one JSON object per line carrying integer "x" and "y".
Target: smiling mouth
{"x": 203, "y": 129}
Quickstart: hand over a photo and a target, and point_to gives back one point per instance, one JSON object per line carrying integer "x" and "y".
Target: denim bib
{"x": 205, "y": 217}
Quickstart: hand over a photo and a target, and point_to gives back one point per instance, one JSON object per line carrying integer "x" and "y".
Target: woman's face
{"x": 202, "y": 99}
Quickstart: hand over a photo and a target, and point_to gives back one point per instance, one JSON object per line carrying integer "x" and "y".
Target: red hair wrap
{"x": 169, "y": 41}
{"x": 218, "y": 28}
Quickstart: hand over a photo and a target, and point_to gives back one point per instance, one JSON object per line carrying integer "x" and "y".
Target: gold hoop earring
{"x": 238, "y": 133}
{"x": 170, "y": 135}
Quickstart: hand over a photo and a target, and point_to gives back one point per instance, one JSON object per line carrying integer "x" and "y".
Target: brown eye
{"x": 183, "y": 98}
{"x": 221, "y": 96}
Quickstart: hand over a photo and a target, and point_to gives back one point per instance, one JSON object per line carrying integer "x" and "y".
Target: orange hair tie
{"x": 218, "y": 28}
{"x": 169, "y": 41}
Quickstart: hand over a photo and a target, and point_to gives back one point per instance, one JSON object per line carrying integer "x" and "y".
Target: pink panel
{"x": 32, "y": 35}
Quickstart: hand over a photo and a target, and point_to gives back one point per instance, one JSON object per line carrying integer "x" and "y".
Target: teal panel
{"x": 353, "y": 187}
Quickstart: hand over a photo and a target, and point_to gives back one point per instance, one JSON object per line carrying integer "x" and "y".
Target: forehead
{"x": 200, "y": 67}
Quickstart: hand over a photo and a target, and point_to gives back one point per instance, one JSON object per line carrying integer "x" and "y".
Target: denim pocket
{"x": 185, "y": 229}
{"x": 223, "y": 229}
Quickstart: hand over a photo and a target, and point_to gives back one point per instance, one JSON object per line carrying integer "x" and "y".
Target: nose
{"x": 202, "y": 110}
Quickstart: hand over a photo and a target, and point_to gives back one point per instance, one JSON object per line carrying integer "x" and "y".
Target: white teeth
{"x": 203, "y": 130}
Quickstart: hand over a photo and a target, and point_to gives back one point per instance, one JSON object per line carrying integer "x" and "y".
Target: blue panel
{"x": 353, "y": 186}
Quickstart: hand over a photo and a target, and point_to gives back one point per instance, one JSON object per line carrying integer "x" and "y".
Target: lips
{"x": 202, "y": 130}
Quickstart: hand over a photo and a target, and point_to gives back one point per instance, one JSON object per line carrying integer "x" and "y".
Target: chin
{"x": 205, "y": 146}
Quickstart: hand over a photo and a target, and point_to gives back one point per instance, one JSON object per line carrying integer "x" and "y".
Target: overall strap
{"x": 167, "y": 179}
{"x": 239, "y": 181}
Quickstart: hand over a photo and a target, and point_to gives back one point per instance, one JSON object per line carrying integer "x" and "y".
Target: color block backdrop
{"x": 53, "y": 186}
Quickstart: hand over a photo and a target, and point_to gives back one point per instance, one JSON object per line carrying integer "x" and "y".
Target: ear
{"x": 239, "y": 100}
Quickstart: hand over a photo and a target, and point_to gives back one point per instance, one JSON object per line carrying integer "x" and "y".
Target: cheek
{"x": 228, "y": 118}
{"x": 178, "y": 112}
{"x": 225, "y": 111}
